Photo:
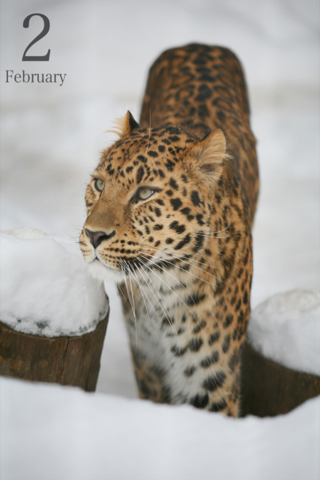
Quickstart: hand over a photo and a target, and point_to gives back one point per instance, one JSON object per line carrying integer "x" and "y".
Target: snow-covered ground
{"x": 51, "y": 136}
{"x": 54, "y": 433}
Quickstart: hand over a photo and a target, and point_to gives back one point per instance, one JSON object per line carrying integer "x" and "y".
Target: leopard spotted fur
{"x": 170, "y": 209}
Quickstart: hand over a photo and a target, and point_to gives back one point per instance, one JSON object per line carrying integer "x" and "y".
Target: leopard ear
{"x": 130, "y": 123}
{"x": 210, "y": 152}
{"x": 124, "y": 125}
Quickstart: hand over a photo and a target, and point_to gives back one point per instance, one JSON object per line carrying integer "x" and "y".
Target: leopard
{"x": 170, "y": 209}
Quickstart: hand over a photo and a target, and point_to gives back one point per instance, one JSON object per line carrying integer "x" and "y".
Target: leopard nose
{"x": 97, "y": 237}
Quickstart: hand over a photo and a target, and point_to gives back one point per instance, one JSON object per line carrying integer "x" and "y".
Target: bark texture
{"x": 269, "y": 389}
{"x": 65, "y": 360}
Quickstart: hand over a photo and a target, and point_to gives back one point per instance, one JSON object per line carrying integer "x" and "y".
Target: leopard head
{"x": 152, "y": 199}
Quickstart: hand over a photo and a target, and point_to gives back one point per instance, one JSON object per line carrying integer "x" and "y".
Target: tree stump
{"x": 65, "y": 360}
{"x": 269, "y": 389}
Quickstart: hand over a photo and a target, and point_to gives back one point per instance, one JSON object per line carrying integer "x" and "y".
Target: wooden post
{"x": 65, "y": 360}
{"x": 269, "y": 389}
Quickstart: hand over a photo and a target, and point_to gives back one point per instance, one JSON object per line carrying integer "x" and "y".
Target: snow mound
{"x": 50, "y": 432}
{"x": 286, "y": 329}
{"x": 46, "y": 288}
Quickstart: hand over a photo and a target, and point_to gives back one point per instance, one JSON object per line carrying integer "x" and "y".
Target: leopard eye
{"x": 145, "y": 193}
{"x": 99, "y": 184}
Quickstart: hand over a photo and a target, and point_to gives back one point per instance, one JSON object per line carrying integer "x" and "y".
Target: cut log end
{"x": 66, "y": 360}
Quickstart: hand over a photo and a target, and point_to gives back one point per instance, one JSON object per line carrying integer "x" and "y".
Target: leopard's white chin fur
{"x": 102, "y": 272}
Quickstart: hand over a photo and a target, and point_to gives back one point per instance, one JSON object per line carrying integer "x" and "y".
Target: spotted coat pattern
{"x": 170, "y": 210}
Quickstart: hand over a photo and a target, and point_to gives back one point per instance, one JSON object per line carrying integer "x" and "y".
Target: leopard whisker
{"x": 159, "y": 303}
{"x": 176, "y": 293}
{"x": 148, "y": 144}
{"x": 123, "y": 295}
{"x": 130, "y": 297}
{"x": 182, "y": 269}
{"x": 172, "y": 276}
{"x": 143, "y": 295}
{"x": 212, "y": 234}
{"x": 184, "y": 260}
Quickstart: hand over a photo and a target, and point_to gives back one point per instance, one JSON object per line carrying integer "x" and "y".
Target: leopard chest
{"x": 156, "y": 317}
{"x": 176, "y": 344}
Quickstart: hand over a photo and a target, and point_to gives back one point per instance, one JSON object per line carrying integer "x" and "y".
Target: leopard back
{"x": 202, "y": 88}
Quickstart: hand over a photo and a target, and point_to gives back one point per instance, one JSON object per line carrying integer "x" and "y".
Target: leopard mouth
{"x": 127, "y": 266}
{"x": 104, "y": 272}
{"x": 130, "y": 265}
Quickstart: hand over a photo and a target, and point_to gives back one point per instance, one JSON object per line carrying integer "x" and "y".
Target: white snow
{"x": 50, "y": 142}
{"x": 286, "y": 329}
{"x": 65, "y": 434}
{"x": 46, "y": 288}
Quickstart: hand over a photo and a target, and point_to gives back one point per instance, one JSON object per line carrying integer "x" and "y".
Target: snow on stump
{"x": 53, "y": 314}
{"x": 281, "y": 361}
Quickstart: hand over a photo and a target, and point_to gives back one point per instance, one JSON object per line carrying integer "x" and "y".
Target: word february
{"x": 25, "y": 77}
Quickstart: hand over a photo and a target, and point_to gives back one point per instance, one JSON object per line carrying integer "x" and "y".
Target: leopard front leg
{"x": 189, "y": 377}
{"x": 195, "y": 357}
{"x": 204, "y": 375}
{"x": 198, "y": 365}
{"x": 151, "y": 378}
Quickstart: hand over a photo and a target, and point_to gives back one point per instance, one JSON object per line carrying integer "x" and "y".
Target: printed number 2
{"x": 46, "y": 28}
